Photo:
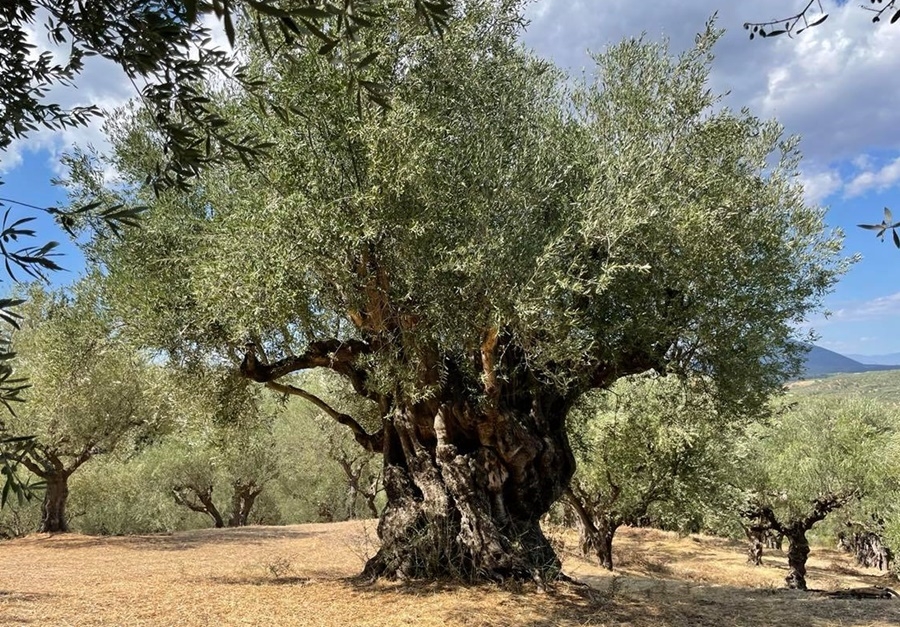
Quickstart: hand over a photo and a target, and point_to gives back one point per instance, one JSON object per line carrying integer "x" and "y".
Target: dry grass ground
{"x": 301, "y": 575}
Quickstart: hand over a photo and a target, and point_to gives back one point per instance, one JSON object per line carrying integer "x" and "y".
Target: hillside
{"x": 821, "y": 361}
{"x": 879, "y": 385}
{"x": 301, "y": 575}
{"x": 891, "y": 359}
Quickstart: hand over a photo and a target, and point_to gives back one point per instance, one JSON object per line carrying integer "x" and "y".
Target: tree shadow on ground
{"x": 15, "y": 600}
{"x": 637, "y": 601}
{"x": 180, "y": 541}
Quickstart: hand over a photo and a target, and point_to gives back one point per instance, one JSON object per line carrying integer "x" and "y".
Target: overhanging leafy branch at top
{"x": 812, "y": 14}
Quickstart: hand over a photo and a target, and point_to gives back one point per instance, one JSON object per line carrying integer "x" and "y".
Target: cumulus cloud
{"x": 820, "y": 184}
{"x": 878, "y": 179}
{"x": 819, "y": 84}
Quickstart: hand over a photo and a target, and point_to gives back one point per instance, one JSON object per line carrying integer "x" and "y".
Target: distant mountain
{"x": 821, "y": 361}
{"x": 891, "y": 359}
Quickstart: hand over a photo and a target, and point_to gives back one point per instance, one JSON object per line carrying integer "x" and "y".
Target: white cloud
{"x": 878, "y": 179}
{"x": 819, "y": 185}
{"x": 833, "y": 84}
{"x": 873, "y": 309}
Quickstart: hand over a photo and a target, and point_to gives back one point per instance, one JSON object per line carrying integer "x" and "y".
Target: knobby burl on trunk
{"x": 469, "y": 471}
{"x": 795, "y": 531}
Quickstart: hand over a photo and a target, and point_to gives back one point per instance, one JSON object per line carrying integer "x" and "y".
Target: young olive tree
{"x": 225, "y": 440}
{"x": 647, "y": 444}
{"x": 475, "y": 259}
{"x": 810, "y": 461}
{"x": 89, "y": 392}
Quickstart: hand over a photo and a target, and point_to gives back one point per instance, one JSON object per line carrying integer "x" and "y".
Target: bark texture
{"x": 465, "y": 494}
{"x": 798, "y": 552}
{"x": 53, "y": 508}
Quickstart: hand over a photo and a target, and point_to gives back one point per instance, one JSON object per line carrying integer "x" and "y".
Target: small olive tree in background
{"x": 814, "y": 459}
{"x": 90, "y": 393}
{"x": 649, "y": 448}
{"x": 221, "y": 457}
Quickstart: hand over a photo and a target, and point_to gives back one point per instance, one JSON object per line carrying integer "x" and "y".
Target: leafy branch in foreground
{"x": 166, "y": 49}
{"x": 789, "y": 26}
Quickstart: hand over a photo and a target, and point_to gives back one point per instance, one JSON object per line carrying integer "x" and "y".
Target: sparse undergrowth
{"x": 303, "y": 575}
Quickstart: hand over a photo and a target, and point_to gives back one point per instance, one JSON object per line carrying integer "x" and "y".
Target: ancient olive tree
{"x": 648, "y": 448}
{"x": 89, "y": 392}
{"x": 476, "y": 258}
{"x": 810, "y": 461}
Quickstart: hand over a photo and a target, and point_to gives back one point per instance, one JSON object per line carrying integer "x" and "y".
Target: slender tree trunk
{"x": 242, "y": 503}
{"x": 755, "y": 538}
{"x": 466, "y": 491}
{"x": 798, "y": 551}
{"x": 53, "y": 508}
{"x": 595, "y": 533}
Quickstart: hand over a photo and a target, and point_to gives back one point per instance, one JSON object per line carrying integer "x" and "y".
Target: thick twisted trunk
{"x": 53, "y": 508}
{"x": 466, "y": 491}
{"x": 798, "y": 552}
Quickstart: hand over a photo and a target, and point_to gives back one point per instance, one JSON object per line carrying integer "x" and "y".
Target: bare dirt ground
{"x": 302, "y": 575}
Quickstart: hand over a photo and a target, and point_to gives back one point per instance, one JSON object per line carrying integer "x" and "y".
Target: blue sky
{"x": 835, "y": 85}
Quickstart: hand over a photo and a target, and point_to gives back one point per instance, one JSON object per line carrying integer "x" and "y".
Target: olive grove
{"x": 649, "y": 450}
{"x": 474, "y": 259}
{"x": 816, "y": 458}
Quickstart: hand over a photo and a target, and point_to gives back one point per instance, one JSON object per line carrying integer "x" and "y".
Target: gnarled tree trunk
{"x": 595, "y": 533}
{"x": 53, "y": 508}
{"x": 798, "y": 552}
{"x": 466, "y": 491}
{"x": 795, "y": 531}
{"x": 242, "y": 501}
{"x": 755, "y": 548}
{"x": 469, "y": 472}
{"x": 867, "y": 546}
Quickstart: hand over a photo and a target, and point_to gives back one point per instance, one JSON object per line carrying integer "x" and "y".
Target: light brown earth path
{"x": 301, "y": 575}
